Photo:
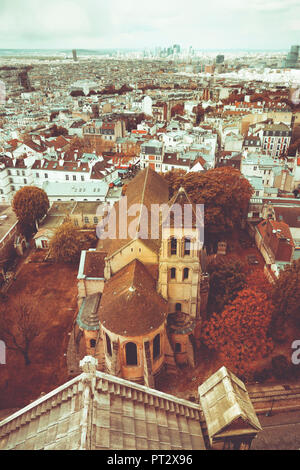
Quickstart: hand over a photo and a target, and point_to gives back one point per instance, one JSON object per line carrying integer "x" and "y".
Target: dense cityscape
{"x": 149, "y": 249}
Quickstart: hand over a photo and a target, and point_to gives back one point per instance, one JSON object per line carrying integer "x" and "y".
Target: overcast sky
{"x": 97, "y": 24}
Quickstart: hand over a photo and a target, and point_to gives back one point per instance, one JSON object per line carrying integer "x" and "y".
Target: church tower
{"x": 180, "y": 271}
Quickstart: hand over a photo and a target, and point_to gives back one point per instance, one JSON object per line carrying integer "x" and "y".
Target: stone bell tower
{"x": 180, "y": 270}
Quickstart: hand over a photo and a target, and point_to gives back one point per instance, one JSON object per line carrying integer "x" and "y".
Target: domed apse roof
{"x": 130, "y": 305}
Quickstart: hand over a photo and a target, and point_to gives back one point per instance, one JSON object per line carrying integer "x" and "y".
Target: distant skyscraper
{"x": 176, "y": 48}
{"x": 220, "y": 59}
{"x": 74, "y": 55}
{"x": 291, "y": 60}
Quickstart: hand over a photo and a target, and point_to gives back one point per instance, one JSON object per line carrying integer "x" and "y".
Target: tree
{"x": 286, "y": 294}
{"x": 66, "y": 244}
{"x": 76, "y": 93}
{"x": 19, "y": 334}
{"x": 225, "y": 193}
{"x": 57, "y": 131}
{"x": 200, "y": 112}
{"x": 240, "y": 333}
{"x": 177, "y": 109}
{"x": 30, "y": 204}
{"x": 227, "y": 278}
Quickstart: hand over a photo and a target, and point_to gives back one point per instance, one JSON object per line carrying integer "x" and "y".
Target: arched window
{"x": 131, "y": 354}
{"x": 177, "y": 347}
{"x": 108, "y": 345}
{"x": 173, "y": 273}
{"x": 187, "y": 246}
{"x": 186, "y": 273}
{"x": 173, "y": 246}
{"x": 178, "y": 307}
{"x": 156, "y": 347}
{"x": 92, "y": 343}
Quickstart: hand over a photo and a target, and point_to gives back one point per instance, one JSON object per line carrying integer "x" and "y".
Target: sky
{"x": 138, "y": 24}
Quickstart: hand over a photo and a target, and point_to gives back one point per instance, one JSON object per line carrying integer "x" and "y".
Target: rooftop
{"x": 7, "y": 220}
{"x": 130, "y": 305}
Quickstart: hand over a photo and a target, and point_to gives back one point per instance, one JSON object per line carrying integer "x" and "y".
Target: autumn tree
{"x": 227, "y": 278}
{"x": 286, "y": 294}
{"x": 177, "y": 109}
{"x": 240, "y": 333}
{"x": 56, "y": 131}
{"x": 65, "y": 245}
{"x": 19, "y": 334}
{"x": 200, "y": 112}
{"x": 225, "y": 193}
{"x": 76, "y": 93}
{"x": 30, "y": 205}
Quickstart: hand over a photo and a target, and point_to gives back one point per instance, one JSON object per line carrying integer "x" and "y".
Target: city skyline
{"x": 265, "y": 25}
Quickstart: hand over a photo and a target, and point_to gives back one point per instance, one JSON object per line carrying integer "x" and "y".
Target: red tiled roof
{"x": 94, "y": 264}
{"x": 55, "y": 166}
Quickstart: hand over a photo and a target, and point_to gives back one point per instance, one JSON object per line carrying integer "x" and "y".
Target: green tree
{"x": 30, "y": 205}
{"x": 227, "y": 278}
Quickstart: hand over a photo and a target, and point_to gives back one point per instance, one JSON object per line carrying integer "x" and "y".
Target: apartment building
{"x": 152, "y": 154}
{"x": 276, "y": 139}
{"x": 97, "y": 130}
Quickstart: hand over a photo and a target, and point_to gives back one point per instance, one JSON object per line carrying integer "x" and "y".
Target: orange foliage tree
{"x": 225, "y": 193}
{"x": 240, "y": 333}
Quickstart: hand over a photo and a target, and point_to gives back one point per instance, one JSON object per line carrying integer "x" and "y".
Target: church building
{"x": 148, "y": 283}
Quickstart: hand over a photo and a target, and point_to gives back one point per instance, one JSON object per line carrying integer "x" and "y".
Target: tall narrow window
{"x": 178, "y": 307}
{"x": 156, "y": 347}
{"x": 92, "y": 343}
{"x": 108, "y": 344}
{"x": 173, "y": 246}
{"x": 185, "y": 273}
{"x": 177, "y": 347}
{"x": 173, "y": 273}
{"x": 131, "y": 354}
{"x": 187, "y": 246}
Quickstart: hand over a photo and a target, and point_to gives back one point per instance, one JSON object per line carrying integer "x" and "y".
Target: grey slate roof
{"x": 225, "y": 401}
{"x": 87, "y": 317}
{"x": 99, "y": 411}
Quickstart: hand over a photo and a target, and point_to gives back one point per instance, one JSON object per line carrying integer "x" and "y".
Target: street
{"x": 281, "y": 431}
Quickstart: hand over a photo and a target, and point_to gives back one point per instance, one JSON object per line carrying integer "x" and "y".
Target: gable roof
{"x": 289, "y": 215}
{"x": 147, "y": 188}
{"x": 97, "y": 411}
{"x": 181, "y": 198}
{"x": 227, "y": 407}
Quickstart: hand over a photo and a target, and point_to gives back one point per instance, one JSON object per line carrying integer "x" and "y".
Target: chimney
{"x": 61, "y": 162}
